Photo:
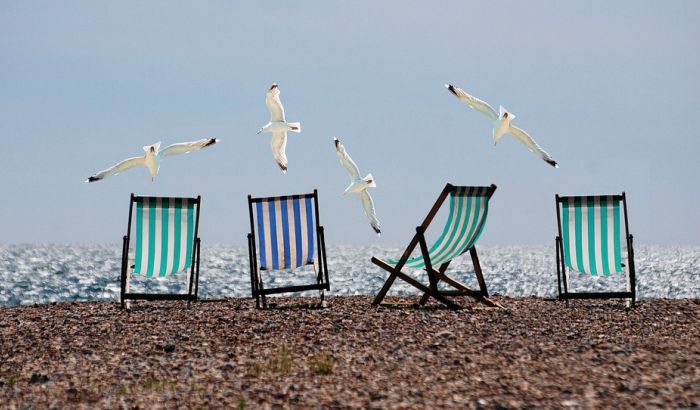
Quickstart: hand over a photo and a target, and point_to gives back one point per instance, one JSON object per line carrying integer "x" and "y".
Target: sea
{"x": 37, "y": 274}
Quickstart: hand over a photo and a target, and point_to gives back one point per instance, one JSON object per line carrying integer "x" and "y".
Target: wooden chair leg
{"x": 477, "y": 271}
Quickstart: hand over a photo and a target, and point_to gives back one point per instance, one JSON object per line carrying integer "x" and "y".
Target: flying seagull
{"x": 278, "y": 126}
{"x": 152, "y": 158}
{"x": 502, "y": 123}
{"x": 358, "y": 185}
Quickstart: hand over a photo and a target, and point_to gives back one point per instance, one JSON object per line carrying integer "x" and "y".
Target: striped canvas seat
{"x": 165, "y": 242}
{"x": 285, "y": 228}
{"x": 469, "y": 206}
{"x": 590, "y": 242}
{"x": 164, "y": 235}
{"x": 286, "y": 235}
{"x": 591, "y": 234}
{"x": 468, "y": 210}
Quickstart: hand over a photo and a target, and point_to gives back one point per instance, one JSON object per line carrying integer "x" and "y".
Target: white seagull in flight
{"x": 502, "y": 123}
{"x": 278, "y": 126}
{"x": 358, "y": 185}
{"x": 152, "y": 158}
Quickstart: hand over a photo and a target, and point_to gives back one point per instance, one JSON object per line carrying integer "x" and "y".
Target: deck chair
{"x": 589, "y": 243}
{"x": 465, "y": 222}
{"x": 166, "y": 243}
{"x": 285, "y": 234}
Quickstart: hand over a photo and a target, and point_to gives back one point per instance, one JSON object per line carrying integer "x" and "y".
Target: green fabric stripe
{"x": 591, "y": 237}
{"x": 478, "y": 226}
{"x": 616, "y": 235}
{"x": 565, "y": 232}
{"x": 458, "y": 229}
{"x": 604, "y": 234}
{"x": 151, "y": 238}
{"x": 455, "y": 248}
{"x": 139, "y": 236}
{"x": 177, "y": 232}
{"x": 190, "y": 233}
{"x": 164, "y": 237}
{"x": 450, "y": 217}
{"x": 578, "y": 232}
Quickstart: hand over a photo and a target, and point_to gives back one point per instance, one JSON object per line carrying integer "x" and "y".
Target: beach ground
{"x": 534, "y": 353}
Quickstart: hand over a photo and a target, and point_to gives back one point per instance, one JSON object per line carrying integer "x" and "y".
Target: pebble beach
{"x": 534, "y": 353}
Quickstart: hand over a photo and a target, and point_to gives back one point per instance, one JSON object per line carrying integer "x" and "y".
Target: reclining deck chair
{"x": 589, "y": 242}
{"x": 288, "y": 234}
{"x": 166, "y": 243}
{"x": 465, "y": 222}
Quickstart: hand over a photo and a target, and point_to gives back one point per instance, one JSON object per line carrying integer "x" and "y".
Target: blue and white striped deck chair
{"x": 589, "y": 243}
{"x": 285, "y": 234}
{"x": 165, "y": 243}
{"x": 465, "y": 222}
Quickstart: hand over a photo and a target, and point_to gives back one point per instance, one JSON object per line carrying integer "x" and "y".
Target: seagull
{"x": 278, "y": 126}
{"x": 502, "y": 123}
{"x": 152, "y": 158}
{"x": 358, "y": 185}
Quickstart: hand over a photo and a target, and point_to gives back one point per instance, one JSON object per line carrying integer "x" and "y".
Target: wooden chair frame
{"x": 258, "y": 289}
{"x": 193, "y": 285}
{"x": 434, "y": 275}
{"x": 561, "y": 266}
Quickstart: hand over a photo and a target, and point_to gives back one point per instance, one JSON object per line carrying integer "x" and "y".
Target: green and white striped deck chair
{"x": 285, "y": 234}
{"x": 589, "y": 243}
{"x": 165, "y": 243}
{"x": 466, "y": 219}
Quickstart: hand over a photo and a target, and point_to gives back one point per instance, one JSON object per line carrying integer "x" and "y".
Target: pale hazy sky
{"x": 610, "y": 89}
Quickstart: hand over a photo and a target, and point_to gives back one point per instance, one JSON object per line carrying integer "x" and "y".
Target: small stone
{"x": 169, "y": 348}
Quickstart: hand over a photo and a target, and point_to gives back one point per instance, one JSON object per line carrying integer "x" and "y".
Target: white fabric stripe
{"x": 144, "y": 235}
{"x": 455, "y": 225}
{"x": 462, "y": 240}
{"x": 572, "y": 232}
{"x": 183, "y": 235}
{"x": 584, "y": 236}
{"x": 611, "y": 235}
{"x": 268, "y": 237}
{"x": 304, "y": 235}
{"x": 280, "y": 234}
{"x": 171, "y": 236}
{"x": 598, "y": 237}
{"x": 292, "y": 234}
{"x": 157, "y": 251}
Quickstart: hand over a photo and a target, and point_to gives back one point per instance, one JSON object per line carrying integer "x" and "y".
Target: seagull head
{"x": 273, "y": 86}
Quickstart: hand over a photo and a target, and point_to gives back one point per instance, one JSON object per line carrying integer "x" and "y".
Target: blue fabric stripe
{"x": 297, "y": 231}
{"x": 310, "y": 230}
{"x": 261, "y": 235}
{"x": 285, "y": 236}
{"x": 273, "y": 234}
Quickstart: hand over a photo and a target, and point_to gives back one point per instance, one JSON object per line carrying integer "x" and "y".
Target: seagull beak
{"x": 258, "y": 133}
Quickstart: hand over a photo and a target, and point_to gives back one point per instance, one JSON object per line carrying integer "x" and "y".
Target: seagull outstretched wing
{"x": 274, "y": 105}
{"x": 120, "y": 167}
{"x": 368, "y": 206}
{"x": 531, "y": 145}
{"x": 477, "y": 104}
{"x": 186, "y": 147}
{"x": 346, "y": 161}
{"x": 279, "y": 144}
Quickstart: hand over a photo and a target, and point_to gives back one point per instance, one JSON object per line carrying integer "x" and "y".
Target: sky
{"x": 610, "y": 89}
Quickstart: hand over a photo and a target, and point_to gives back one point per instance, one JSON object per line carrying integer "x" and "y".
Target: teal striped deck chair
{"x": 286, "y": 235}
{"x": 166, "y": 242}
{"x": 589, "y": 242}
{"x": 465, "y": 222}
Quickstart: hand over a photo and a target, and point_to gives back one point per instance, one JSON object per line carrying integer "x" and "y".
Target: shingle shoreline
{"x": 534, "y": 353}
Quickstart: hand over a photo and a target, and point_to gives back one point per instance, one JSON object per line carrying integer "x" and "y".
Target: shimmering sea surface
{"x": 48, "y": 273}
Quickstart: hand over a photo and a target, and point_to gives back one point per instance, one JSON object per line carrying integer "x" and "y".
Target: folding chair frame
{"x": 562, "y": 274}
{"x": 193, "y": 285}
{"x": 258, "y": 289}
{"x": 434, "y": 275}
